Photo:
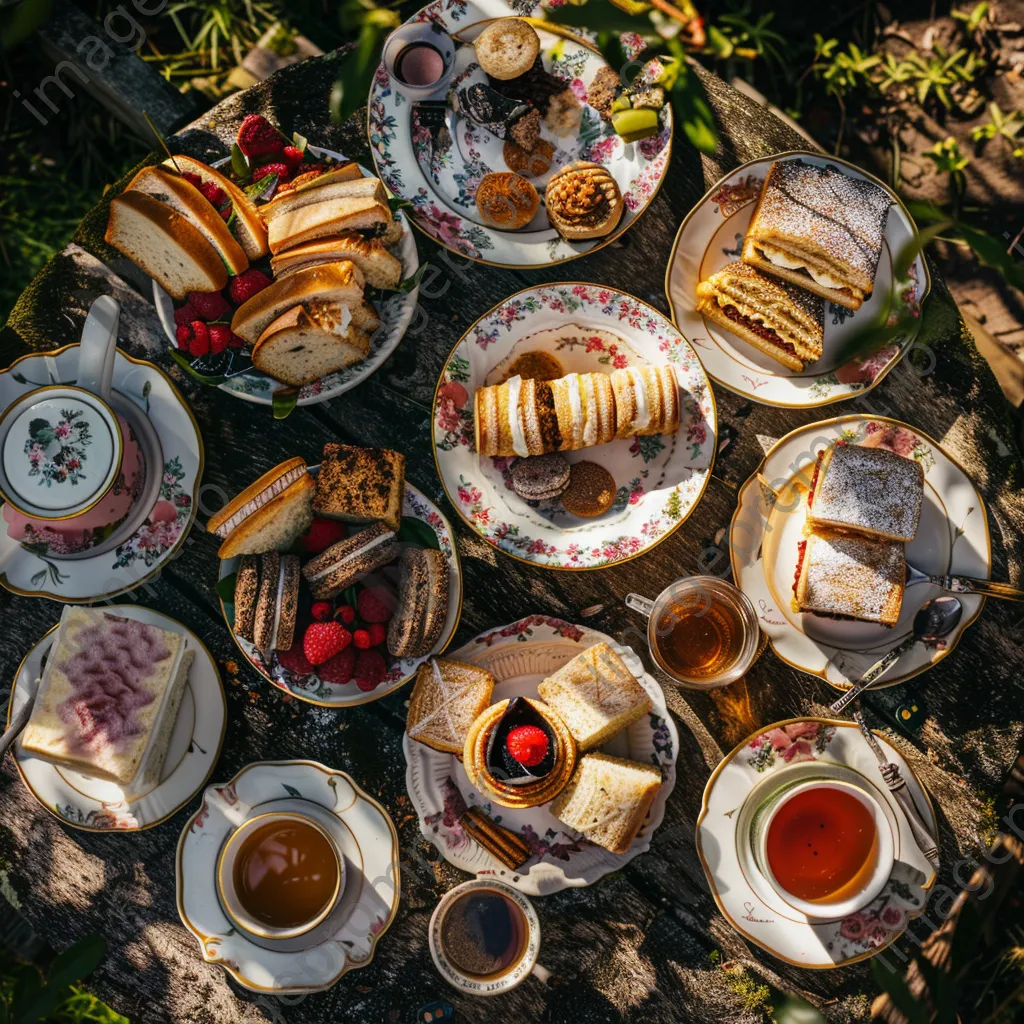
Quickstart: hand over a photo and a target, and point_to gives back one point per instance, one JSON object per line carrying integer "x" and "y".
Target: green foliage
{"x": 371, "y": 25}
{"x": 970, "y": 21}
{"x": 209, "y": 27}
{"x": 1007, "y": 126}
{"x": 936, "y": 75}
{"x": 842, "y": 71}
{"x": 17, "y": 23}
{"x": 947, "y": 157}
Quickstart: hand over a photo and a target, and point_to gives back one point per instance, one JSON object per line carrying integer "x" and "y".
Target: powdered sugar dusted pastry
{"x": 819, "y": 228}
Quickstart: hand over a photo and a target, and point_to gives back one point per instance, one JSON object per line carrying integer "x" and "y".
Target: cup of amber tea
{"x": 702, "y": 631}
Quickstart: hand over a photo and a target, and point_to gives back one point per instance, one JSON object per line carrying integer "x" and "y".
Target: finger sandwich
{"x": 446, "y": 699}
{"x": 349, "y": 560}
{"x": 422, "y": 604}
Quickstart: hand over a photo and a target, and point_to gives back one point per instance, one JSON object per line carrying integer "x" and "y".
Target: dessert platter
{"x": 337, "y": 580}
{"x": 101, "y": 468}
{"x": 279, "y": 268}
{"x": 778, "y": 267}
{"x": 573, "y": 426}
{"x": 112, "y": 750}
{"x": 826, "y": 531}
{"x": 800, "y": 753}
{"x": 260, "y": 953}
{"x": 540, "y": 754}
{"x": 512, "y": 139}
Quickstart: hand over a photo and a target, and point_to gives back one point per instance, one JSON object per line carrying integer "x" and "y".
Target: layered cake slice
{"x": 109, "y": 698}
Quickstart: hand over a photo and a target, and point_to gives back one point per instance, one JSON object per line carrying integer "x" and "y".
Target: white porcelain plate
{"x": 659, "y": 478}
{"x": 440, "y": 176}
{"x": 768, "y": 524}
{"x": 521, "y": 656}
{"x": 395, "y": 313}
{"x": 39, "y": 568}
{"x": 367, "y": 839}
{"x": 315, "y": 690}
{"x": 792, "y": 751}
{"x": 711, "y": 237}
{"x": 97, "y": 806}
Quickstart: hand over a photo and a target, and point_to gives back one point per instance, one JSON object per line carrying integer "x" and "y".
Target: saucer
{"x": 952, "y": 537}
{"x": 96, "y": 806}
{"x": 39, "y": 569}
{"x": 659, "y": 478}
{"x": 346, "y": 940}
{"x": 314, "y": 690}
{"x": 521, "y": 656}
{"x": 804, "y": 749}
{"x": 711, "y": 237}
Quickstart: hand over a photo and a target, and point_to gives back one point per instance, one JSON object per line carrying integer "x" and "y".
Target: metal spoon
{"x": 935, "y": 618}
{"x": 18, "y": 723}
{"x": 966, "y": 585}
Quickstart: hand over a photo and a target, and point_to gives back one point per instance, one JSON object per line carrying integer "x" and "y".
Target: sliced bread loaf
{"x": 379, "y": 267}
{"x": 329, "y": 217}
{"x": 275, "y": 525}
{"x": 328, "y": 192}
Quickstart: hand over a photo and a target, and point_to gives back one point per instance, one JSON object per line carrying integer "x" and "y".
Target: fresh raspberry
{"x": 184, "y": 315}
{"x": 338, "y": 670}
{"x": 246, "y": 285}
{"x": 183, "y": 335}
{"x": 213, "y": 192}
{"x": 235, "y": 341}
{"x": 324, "y": 640}
{"x": 361, "y": 638}
{"x": 347, "y": 614}
{"x": 200, "y": 343}
{"x": 226, "y": 212}
{"x": 258, "y": 137}
{"x": 370, "y": 670}
{"x": 378, "y": 633}
{"x": 321, "y": 611}
{"x": 220, "y": 335}
{"x": 376, "y": 604}
{"x": 281, "y": 170}
{"x": 295, "y": 661}
{"x": 208, "y": 305}
{"x": 293, "y": 156}
{"x": 527, "y": 744}
{"x": 192, "y": 178}
{"x": 322, "y": 533}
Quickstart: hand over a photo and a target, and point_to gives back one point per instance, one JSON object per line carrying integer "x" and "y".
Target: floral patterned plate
{"x": 39, "y": 568}
{"x": 520, "y": 656}
{"x": 395, "y": 313}
{"x": 314, "y": 690}
{"x": 711, "y": 236}
{"x": 767, "y": 526}
{"x": 439, "y": 177}
{"x": 95, "y": 806}
{"x": 659, "y": 478}
{"x": 363, "y": 832}
{"x": 794, "y": 751}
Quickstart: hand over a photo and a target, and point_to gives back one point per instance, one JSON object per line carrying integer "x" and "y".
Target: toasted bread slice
{"x": 164, "y": 244}
{"x": 257, "y": 494}
{"x": 365, "y": 214}
{"x": 334, "y": 191}
{"x": 274, "y": 525}
{"x": 446, "y": 700}
{"x": 379, "y": 267}
{"x": 248, "y": 227}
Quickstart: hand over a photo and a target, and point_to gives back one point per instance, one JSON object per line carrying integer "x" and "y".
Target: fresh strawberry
{"x": 220, "y": 335}
{"x": 378, "y": 633}
{"x": 528, "y": 745}
{"x": 184, "y": 315}
{"x": 213, "y": 192}
{"x": 235, "y": 341}
{"x": 324, "y": 640}
{"x": 281, "y": 170}
{"x": 295, "y": 661}
{"x": 208, "y": 305}
{"x": 293, "y": 156}
{"x": 321, "y": 611}
{"x": 246, "y": 285}
{"x": 370, "y": 670}
{"x": 183, "y": 335}
{"x": 347, "y": 614}
{"x": 376, "y": 604}
{"x": 200, "y": 343}
{"x": 361, "y": 639}
{"x": 192, "y": 178}
{"x": 322, "y": 533}
{"x": 338, "y": 670}
{"x": 258, "y": 137}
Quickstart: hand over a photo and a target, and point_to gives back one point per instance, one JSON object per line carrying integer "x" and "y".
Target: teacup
{"x": 71, "y": 466}
{"x": 280, "y": 875}
{"x": 824, "y": 845}
{"x": 433, "y": 51}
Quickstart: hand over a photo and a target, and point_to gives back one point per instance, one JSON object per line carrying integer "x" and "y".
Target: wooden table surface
{"x": 638, "y": 945}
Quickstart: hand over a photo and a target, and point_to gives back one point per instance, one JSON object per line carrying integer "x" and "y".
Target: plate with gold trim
{"x": 768, "y": 524}
{"x": 38, "y": 564}
{"x": 788, "y": 752}
{"x": 711, "y": 236}
{"x": 96, "y": 806}
{"x": 659, "y": 478}
{"x": 347, "y": 939}
{"x": 438, "y": 172}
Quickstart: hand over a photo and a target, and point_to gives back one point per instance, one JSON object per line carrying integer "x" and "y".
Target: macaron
{"x": 350, "y": 560}
{"x": 278, "y": 603}
{"x": 591, "y": 490}
{"x": 247, "y": 589}
{"x": 540, "y": 477}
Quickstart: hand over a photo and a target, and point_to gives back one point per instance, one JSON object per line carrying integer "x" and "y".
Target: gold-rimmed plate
{"x": 768, "y": 524}
{"x": 711, "y": 236}
{"x": 96, "y": 806}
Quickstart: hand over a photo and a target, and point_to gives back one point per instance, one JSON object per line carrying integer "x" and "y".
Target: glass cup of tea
{"x": 701, "y": 631}
{"x": 484, "y": 937}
